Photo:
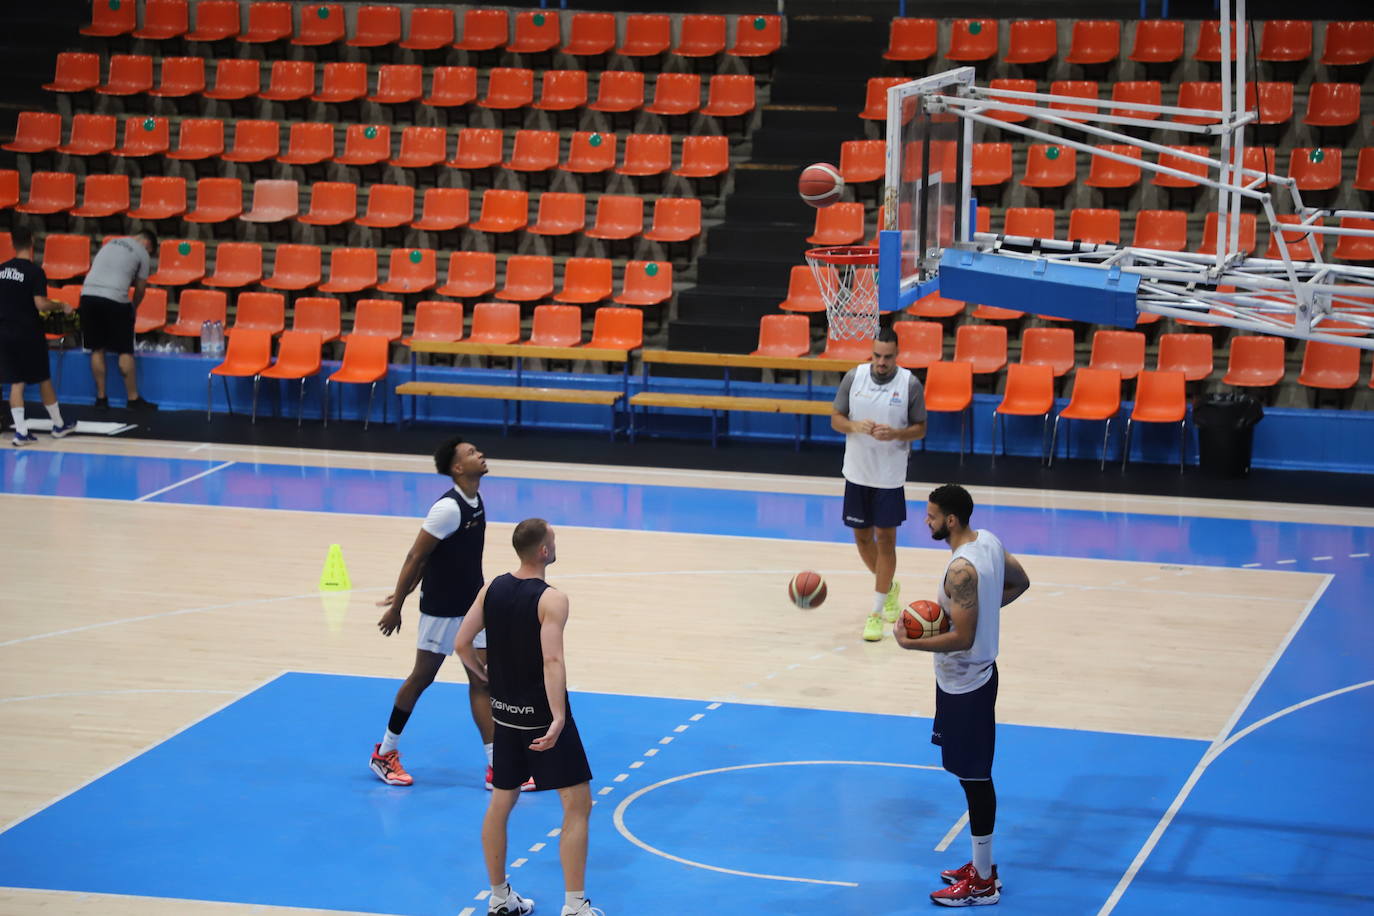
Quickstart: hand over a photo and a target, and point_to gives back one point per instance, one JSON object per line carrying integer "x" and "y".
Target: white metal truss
{"x": 1313, "y": 300}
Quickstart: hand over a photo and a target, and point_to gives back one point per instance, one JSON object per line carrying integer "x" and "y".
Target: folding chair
{"x": 1096, "y": 396}
{"x": 298, "y": 358}
{"x": 1160, "y": 397}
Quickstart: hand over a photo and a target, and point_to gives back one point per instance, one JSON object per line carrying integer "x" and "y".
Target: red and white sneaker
{"x": 527, "y": 787}
{"x": 973, "y": 891}
{"x": 388, "y": 767}
{"x": 955, "y": 875}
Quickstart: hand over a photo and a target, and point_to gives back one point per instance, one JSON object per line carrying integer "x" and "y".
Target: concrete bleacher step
{"x": 771, "y": 242}
{"x": 709, "y": 337}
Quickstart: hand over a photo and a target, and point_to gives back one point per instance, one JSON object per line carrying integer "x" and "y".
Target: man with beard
{"x": 980, "y": 580}
{"x": 881, "y": 409}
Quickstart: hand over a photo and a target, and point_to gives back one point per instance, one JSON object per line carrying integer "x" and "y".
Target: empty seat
{"x": 756, "y": 36}
{"x": 388, "y": 206}
{"x": 235, "y": 78}
{"x": 478, "y": 148}
{"x": 298, "y": 358}
{"x": 556, "y": 326}
{"x": 912, "y": 39}
{"x": 1199, "y": 95}
{"x": 919, "y": 343}
{"x": 1364, "y": 170}
{"x": 484, "y": 30}
{"x": 274, "y": 200}
{"x": 1190, "y": 354}
{"x": 1011, "y": 85}
{"x": 991, "y": 164}
{"x": 452, "y": 87}
{"x": 179, "y": 263}
{"x": 503, "y": 211}
{"x": 1334, "y": 367}
{"x": 430, "y": 28}
{"x": 260, "y": 312}
{"x": 701, "y": 36}
{"x": 1051, "y": 347}
{"x": 1286, "y": 40}
{"x": 647, "y": 154}
{"x": 399, "y": 84}
{"x": 972, "y": 40}
{"x": 217, "y": 200}
{"x": 342, "y": 82}
{"x": 1298, "y": 243}
{"x": 646, "y": 283}
{"x": 1355, "y": 247}
{"x": 199, "y": 138}
{"x": 181, "y": 76}
{"x": 618, "y": 217}
{"x": 949, "y": 389}
{"x": 1122, "y": 351}
{"x": 536, "y": 32}
{"x": 75, "y": 71}
{"x": 1096, "y": 396}
{"x": 1162, "y": 230}
{"x": 1112, "y": 173}
{"x": 675, "y": 219}
{"x": 1160, "y": 397}
{"x": 376, "y": 26}
{"x": 1095, "y": 42}
{"x": 1254, "y": 362}
{"x": 1031, "y": 41}
{"x": 675, "y": 94}
{"x": 875, "y": 97}
{"x": 729, "y": 95}
{"x": 590, "y": 153}
{"x": 9, "y": 196}
{"x": 216, "y": 20}
{"x": 1348, "y": 44}
{"x": 129, "y": 74}
{"x": 984, "y": 346}
{"x": 1315, "y": 169}
{"x": 249, "y": 353}
{"x": 529, "y": 278}
{"x": 563, "y": 90}
{"x": 144, "y": 137}
{"x": 470, "y": 274}
{"x": 533, "y": 151}
{"x": 309, "y": 143}
{"x": 616, "y": 328}
{"x": 585, "y": 280}
{"x": 619, "y": 91}
{"x": 646, "y": 35}
{"x": 590, "y": 34}
{"x": 508, "y": 88}
{"x": 1247, "y": 234}
{"x": 1274, "y": 101}
{"x": 364, "y": 363}
{"x": 49, "y": 192}
{"x": 194, "y": 308}
{"x": 111, "y": 19}
{"x": 784, "y": 336}
{"x": 290, "y": 81}
{"x": 933, "y": 305}
{"x": 421, "y": 147}
{"x": 66, "y": 256}
{"x": 863, "y": 160}
{"x": 1095, "y": 225}
{"x": 1180, "y": 164}
{"x": 1049, "y": 166}
{"x": 295, "y": 267}
{"x": 103, "y": 195}
{"x": 160, "y": 197}
{"x": 1029, "y": 222}
{"x": 1158, "y": 41}
{"x": 439, "y": 322}
{"x": 320, "y": 25}
{"x": 1209, "y": 42}
{"x": 1079, "y": 89}
{"x": 704, "y": 157}
{"x": 332, "y": 203}
{"x": 351, "y": 270}
{"x": 443, "y": 209}
{"x": 1332, "y": 104}
{"x": 237, "y": 264}
{"x": 254, "y": 141}
{"x": 267, "y": 22}
{"x": 838, "y": 224}
{"x": 803, "y": 293}
{"x": 560, "y": 213}
{"x": 411, "y": 270}
{"x": 495, "y": 322}
{"x": 36, "y": 132}
{"x": 151, "y": 314}
{"x": 1141, "y": 92}
{"x": 365, "y": 144}
{"x": 1029, "y": 392}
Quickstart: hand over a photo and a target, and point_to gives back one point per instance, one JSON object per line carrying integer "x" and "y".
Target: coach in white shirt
{"x": 881, "y": 409}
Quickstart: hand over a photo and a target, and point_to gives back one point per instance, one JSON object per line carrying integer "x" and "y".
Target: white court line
{"x": 181, "y": 483}
{"x": 1219, "y": 742}
{"x": 143, "y": 750}
{"x": 466, "y": 911}
{"x": 953, "y": 832}
{"x": 110, "y": 693}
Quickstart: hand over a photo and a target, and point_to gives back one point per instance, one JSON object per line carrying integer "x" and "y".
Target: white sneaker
{"x": 514, "y": 905}
{"x": 586, "y": 909}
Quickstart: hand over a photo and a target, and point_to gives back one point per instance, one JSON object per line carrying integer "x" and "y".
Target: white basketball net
{"x": 849, "y": 288}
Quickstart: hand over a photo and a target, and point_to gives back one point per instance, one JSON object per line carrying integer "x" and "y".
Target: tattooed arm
{"x": 961, "y": 585}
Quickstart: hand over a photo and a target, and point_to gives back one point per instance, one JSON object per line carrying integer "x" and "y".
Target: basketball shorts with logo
{"x": 965, "y": 729}
{"x": 565, "y": 764}
{"x": 23, "y": 359}
{"x": 870, "y": 507}
{"x": 438, "y": 633}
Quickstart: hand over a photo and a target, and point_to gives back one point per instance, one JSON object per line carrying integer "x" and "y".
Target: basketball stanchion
{"x": 848, "y": 279}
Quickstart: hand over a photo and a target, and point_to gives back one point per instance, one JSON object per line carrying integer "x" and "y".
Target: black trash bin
{"x": 1226, "y": 432}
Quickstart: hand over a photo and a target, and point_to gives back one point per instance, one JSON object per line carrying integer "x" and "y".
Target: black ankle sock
{"x": 399, "y": 718}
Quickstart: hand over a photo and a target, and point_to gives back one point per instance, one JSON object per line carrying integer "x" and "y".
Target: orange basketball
{"x": 807, "y": 589}
{"x": 924, "y": 618}
{"x": 820, "y": 185}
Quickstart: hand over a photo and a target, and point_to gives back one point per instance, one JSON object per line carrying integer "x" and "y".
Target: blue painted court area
{"x": 304, "y": 823}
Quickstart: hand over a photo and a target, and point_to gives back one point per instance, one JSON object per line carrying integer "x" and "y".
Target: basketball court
{"x": 197, "y": 714}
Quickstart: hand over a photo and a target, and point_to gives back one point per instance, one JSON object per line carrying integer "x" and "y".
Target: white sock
{"x": 55, "y": 412}
{"x": 20, "y": 427}
{"x": 389, "y": 742}
{"x": 879, "y": 599}
{"x": 499, "y": 892}
{"x": 488, "y": 749}
{"x": 573, "y": 900}
{"x": 982, "y": 855}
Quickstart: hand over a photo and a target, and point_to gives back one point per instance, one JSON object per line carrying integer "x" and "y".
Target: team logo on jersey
{"x": 896, "y": 399}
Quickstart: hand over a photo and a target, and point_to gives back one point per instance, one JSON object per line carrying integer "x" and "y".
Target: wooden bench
{"x": 518, "y": 393}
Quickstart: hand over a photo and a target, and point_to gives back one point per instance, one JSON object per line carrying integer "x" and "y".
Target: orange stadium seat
{"x": 1052, "y": 347}
{"x": 1286, "y": 40}
{"x": 645, "y": 283}
{"x": 290, "y": 81}
{"x": 935, "y": 306}
{"x": 437, "y": 322}
{"x": 443, "y": 209}
{"x": 365, "y": 144}
{"x": 1031, "y": 222}
{"x": 1095, "y": 42}
{"x": 342, "y": 82}
{"x": 399, "y": 84}
{"x": 563, "y": 90}
{"x": 377, "y": 318}
{"x": 756, "y": 36}
{"x": 66, "y": 256}
{"x": 484, "y": 30}
{"x": 1078, "y": 89}
{"x": 676, "y": 219}
{"x": 478, "y": 148}
{"x": 129, "y": 74}
{"x": 1141, "y": 92}
{"x": 320, "y": 24}
{"x": 411, "y": 270}
{"x": 919, "y": 343}
{"x": 376, "y": 26}
{"x": 351, "y": 270}
{"x": 199, "y": 138}
{"x": 503, "y": 211}
{"x": 103, "y": 195}
{"x": 529, "y": 278}
{"x": 536, "y": 31}
{"x": 838, "y": 224}
{"x": 1247, "y": 234}
{"x": 863, "y": 160}
{"x": 729, "y": 96}
{"x": 560, "y": 213}
{"x": 320, "y": 315}
{"x": 332, "y": 203}
{"x": 588, "y": 156}
{"x": 949, "y": 389}
{"x": 151, "y": 314}
{"x": 1364, "y": 170}
{"x": 217, "y": 200}
{"x": 9, "y": 196}
{"x": 237, "y": 264}
{"x": 991, "y": 164}
{"x": 160, "y": 197}
{"x": 1299, "y": 244}
{"x": 309, "y": 143}
{"x": 295, "y": 267}
{"x": 585, "y": 280}
{"x": 556, "y": 326}
{"x": 1355, "y": 247}
{"x": 180, "y": 77}
{"x": 364, "y": 363}
{"x": 1348, "y": 44}
{"x": 1209, "y": 42}
{"x": 1095, "y": 226}
{"x": 984, "y": 346}
{"x": 1160, "y": 397}
{"x": 49, "y": 192}
{"x": 144, "y": 137}
{"x": 783, "y": 336}
{"x": 803, "y": 294}
{"x": 421, "y": 147}
{"x": 912, "y": 39}
{"x": 1162, "y": 230}
{"x": 1121, "y": 351}
{"x": 875, "y": 97}
{"x": 1332, "y": 104}
{"x": 704, "y": 157}
{"x": 590, "y": 34}
{"x": 1190, "y": 354}
{"x": 298, "y": 358}
{"x": 1031, "y": 41}
{"x": 675, "y": 94}
{"x": 533, "y": 151}
{"x": 274, "y": 200}
{"x": 75, "y": 71}
{"x": 430, "y": 28}
{"x": 700, "y": 36}
{"x": 647, "y": 154}
{"x": 1254, "y": 362}
{"x": 1183, "y": 165}
{"x": 646, "y": 35}
{"x": 619, "y": 91}
{"x": 1011, "y": 85}
{"x": 617, "y": 217}
{"x": 452, "y": 87}
{"x": 36, "y": 132}
{"x": 470, "y": 274}
{"x": 194, "y": 308}
{"x": 616, "y": 328}
{"x": 109, "y": 20}
{"x": 1158, "y": 41}
{"x": 1110, "y": 173}
{"x": 259, "y": 312}
{"x": 1096, "y": 396}
{"x": 254, "y": 141}
{"x": 388, "y": 206}
{"x": 1029, "y": 392}
{"x": 216, "y": 20}
{"x": 508, "y": 88}
{"x": 1274, "y": 101}
{"x": 972, "y": 40}
{"x": 235, "y": 78}
{"x": 495, "y": 322}
{"x": 267, "y": 22}
{"x": 1049, "y": 166}
{"x": 1315, "y": 169}
{"x": 1202, "y": 95}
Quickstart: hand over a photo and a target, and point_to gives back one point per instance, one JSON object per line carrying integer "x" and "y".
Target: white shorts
{"x": 437, "y": 634}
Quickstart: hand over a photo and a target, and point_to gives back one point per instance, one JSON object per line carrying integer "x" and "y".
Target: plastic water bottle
{"x": 219, "y": 338}
{"x": 206, "y": 335}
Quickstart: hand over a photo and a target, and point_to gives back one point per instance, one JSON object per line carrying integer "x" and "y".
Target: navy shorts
{"x": 107, "y": 325}
{"x": 870, "y": 507}
{"x": 24, "y": 359}
{"x": 965, "y": 728}
{"x": 565, "y": 764}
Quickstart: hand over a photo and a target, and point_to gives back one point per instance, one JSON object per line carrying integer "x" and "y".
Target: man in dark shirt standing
{"x": 23, "y": 348}
{"x": 523, "y": 618}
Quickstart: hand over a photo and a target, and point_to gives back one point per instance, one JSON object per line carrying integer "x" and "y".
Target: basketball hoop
{"x": 848, "y": 281}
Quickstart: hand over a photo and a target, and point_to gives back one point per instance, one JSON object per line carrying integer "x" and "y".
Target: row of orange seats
{"x": 1156, "y": 41}
{"x": 314, "y": 142}
{"x": 508, "y": 88}
{"x": 432, "y": 28}
{"x": 1328, "y": 104}
{"x": 1313, "y": 168}
{"x": 296, "y": 267}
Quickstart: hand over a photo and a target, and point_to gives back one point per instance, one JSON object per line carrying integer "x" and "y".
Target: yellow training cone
{"x": 335, "y": 575}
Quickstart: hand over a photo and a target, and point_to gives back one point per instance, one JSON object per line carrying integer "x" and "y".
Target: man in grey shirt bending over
{"x": 107, "y": 309}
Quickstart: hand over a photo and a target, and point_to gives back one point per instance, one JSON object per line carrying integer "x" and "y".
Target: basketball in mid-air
{"x": 820, "y": 185}
{"x": 807, "y": 589}
{"x": 924, "y": 618}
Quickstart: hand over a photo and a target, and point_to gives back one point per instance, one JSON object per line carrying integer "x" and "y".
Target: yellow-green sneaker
{"x": 873, "y": 628}
{"x": 891, "y": 606}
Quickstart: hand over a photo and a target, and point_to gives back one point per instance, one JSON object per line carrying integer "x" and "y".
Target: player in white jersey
{"x": 980, "y": 580}
{"x": 881, "y": 409}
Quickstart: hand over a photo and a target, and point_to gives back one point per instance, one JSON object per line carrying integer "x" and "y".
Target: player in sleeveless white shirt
{"x": 881, "y": 409}
{"x": 980, "y": 579}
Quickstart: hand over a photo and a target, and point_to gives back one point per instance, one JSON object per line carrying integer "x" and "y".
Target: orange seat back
{"x": 910, "y": 39}
{"x": 556, "y": 326}
{"x": 452, "y": 86}
{"x": 972, "y": 40}
{"x": 1029, "y": 390}
{"x": 617, "y": 328}
{"x": 484, "y": 30}
{"x": 646, "y": 283}
{"x": 298, "y": 355}
{"x": 381, "y": 317}
{"x": 1123, "y": 351}
{"x": 1052, "y": 347}
{"x": 1190, "y": 354}
{"x": 784, "y": 336}
{"x": 1095, "y": 225}
{"x": 982, "y": 345}
{"x": 495, "y": 322}
{"x": 438, "y": 321}
{"x": 264, "y": 312}
{"x": 701, "y": 36}
{"x": 1160, "y": 397}
{"x": 1031, "y": 41}
{"x": 318, "y": 315}
{"x": 919, "y": 343}
{"x": 646, "y": 34}
{"x": 949, "y": 386}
